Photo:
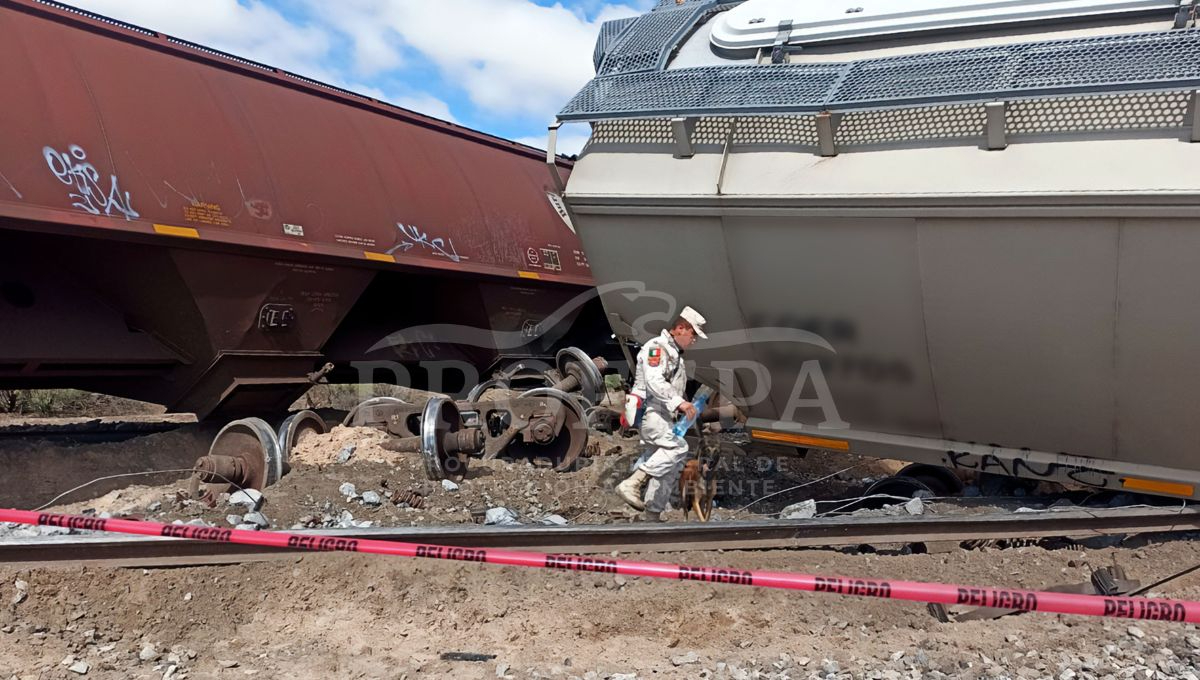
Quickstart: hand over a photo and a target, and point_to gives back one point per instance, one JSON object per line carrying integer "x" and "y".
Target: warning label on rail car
{"x": 206, "y": 213}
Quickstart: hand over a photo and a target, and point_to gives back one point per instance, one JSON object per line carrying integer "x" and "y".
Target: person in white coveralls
{"x": 658, "y": 390}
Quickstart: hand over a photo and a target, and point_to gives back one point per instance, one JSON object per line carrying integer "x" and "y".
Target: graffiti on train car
{"x": 411, "y": 237}
{"x": 10, "y": 185}
{"x": 1018, "y": 466}
{"x": 71, "y": 168}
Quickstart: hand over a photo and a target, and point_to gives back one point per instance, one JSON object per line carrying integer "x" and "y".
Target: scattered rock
{"x": 348, "y": 490}
{"x": 1136, "y": 632}
{"x": 915, "y": 507}
{"x": 247, "y": 527}
{"x": 249, "y": 498}
{"x": 230, "y": 663}
{"x": 554, "y": 520}
{"x": 80, "y": 668}
{"x": 371, "y": 499}
{"x": 22, "y": 589}
{"x": 346, "y": 453}
{"x": 801, "y": 510}
{"x": 258, "y": 519}
{"x": 233, "y": 520}
{"x": 500, "y": 517}
{"x": 449, "y": 485}
{"x": 684, "y": 659}
{"x": 154, "y": 507}
{"x": 148, "y": 653}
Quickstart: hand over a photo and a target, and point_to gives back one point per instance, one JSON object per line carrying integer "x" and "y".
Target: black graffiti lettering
{"x": 1100, "y": 479}
{"x": 1021, "y": 467}
{"x": 1019, "y": 463}
{"x": 955, "y": 459}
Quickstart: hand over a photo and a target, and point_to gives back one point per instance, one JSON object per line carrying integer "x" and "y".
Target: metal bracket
{"x": 826, "y": 146}
{"x": 725, "y": 153}
{"x": 552, "y": 157}
{"x": 1184, "y": 13}
{"x": 682, "y": 129}
{"x": 997, "y": 138}
{"x": 1195, "y": 117}
{"x": 779, "y": 48}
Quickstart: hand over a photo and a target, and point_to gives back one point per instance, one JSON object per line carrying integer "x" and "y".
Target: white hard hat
{"x": 693, "y": 317}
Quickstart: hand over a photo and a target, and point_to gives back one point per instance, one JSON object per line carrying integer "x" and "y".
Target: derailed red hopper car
{"x": 190, "y": 228}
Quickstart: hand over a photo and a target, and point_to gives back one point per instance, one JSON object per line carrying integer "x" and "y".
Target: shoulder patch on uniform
{"x": 655, "y": 356}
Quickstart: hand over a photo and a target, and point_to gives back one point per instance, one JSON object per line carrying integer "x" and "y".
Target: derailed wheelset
{"x": 546, "y": 422}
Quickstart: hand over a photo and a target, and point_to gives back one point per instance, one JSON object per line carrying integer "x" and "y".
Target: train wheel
{"x": 360, "y": 415}
{"x": 439, "y": 418}
{"x": 571, "y": 440}
{"x": 294, "y": 429}
{"x": 941, "y": 481}
{"x": 251, "y": 456}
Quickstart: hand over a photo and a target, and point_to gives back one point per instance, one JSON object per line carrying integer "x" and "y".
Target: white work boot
{"x": 630, "y": 490}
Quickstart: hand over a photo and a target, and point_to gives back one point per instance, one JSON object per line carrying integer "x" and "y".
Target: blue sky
{"x": 501, "y": 66}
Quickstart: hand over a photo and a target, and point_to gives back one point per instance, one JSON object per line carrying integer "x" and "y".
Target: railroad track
{"x": 93, "y": 430}
{"x": 125, "y": 550}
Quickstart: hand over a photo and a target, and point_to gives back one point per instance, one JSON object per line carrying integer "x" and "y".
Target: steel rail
{"x": 122, "y": 550}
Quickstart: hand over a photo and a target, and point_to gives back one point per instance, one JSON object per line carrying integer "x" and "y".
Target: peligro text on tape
{"x": 1061, "y": 603}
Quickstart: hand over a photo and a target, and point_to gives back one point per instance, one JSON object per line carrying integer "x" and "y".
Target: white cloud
{"x": 511, "y": 57}
{"x": 426, "y": 104}
{"x": 571, "y": 138}
{"x": 253, "y": 30}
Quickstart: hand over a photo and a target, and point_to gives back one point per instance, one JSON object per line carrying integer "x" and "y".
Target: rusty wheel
{"x": 361, "y": 415}
{"x": 572, "y": 437}
{"x": 574, "y": 361}
{"x": 478, "y": 390}
{"x": 295, "y": 428}
{"x": 246, "y": 452}
{"x": 439, "y": 418}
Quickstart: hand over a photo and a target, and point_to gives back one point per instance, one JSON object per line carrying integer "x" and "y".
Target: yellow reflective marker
{"x": 378, "y": 257}
{"x": 801, "y": 440}
{"x": 168, "y": 230}
{"x": 528, "y": 275}
{"x": 1154, "y": 486}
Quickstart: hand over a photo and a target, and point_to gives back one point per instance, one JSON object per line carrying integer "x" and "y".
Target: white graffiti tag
{"x": 84, "y": 179}
{"x": 411, "y": 237}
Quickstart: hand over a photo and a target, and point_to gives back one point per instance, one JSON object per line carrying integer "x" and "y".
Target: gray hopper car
{"x": 948, "y": 233}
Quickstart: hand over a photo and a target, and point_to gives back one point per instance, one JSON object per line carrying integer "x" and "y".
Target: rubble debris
{"x": 233, "y": 520}
{"x": 684, "y": 659}
{"x": 915, "y": 507}
{"x": 802, "y": 510}
{"x": 554, "y": 520}
{"x": 348, "y": 490}
{"x": 80, "y": 668}
{"x": 371, "y": 499}
{"x": 256, "y": 518}
{"x": 500, "y": 517}
{"x": 22, "y": 589}
{"x": 346, "y": 453}
{"x": 148, "y": 653}
{"x": 249, "y": 498}
{"x": 449, "y": 485}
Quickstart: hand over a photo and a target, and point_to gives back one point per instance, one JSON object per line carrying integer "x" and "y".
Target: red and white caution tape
{"x": 1061, "y": 603}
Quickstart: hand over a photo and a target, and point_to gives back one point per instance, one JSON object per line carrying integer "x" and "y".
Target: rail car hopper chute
{"x": 990, "y": 213}
{"x": 187, "y": 227}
